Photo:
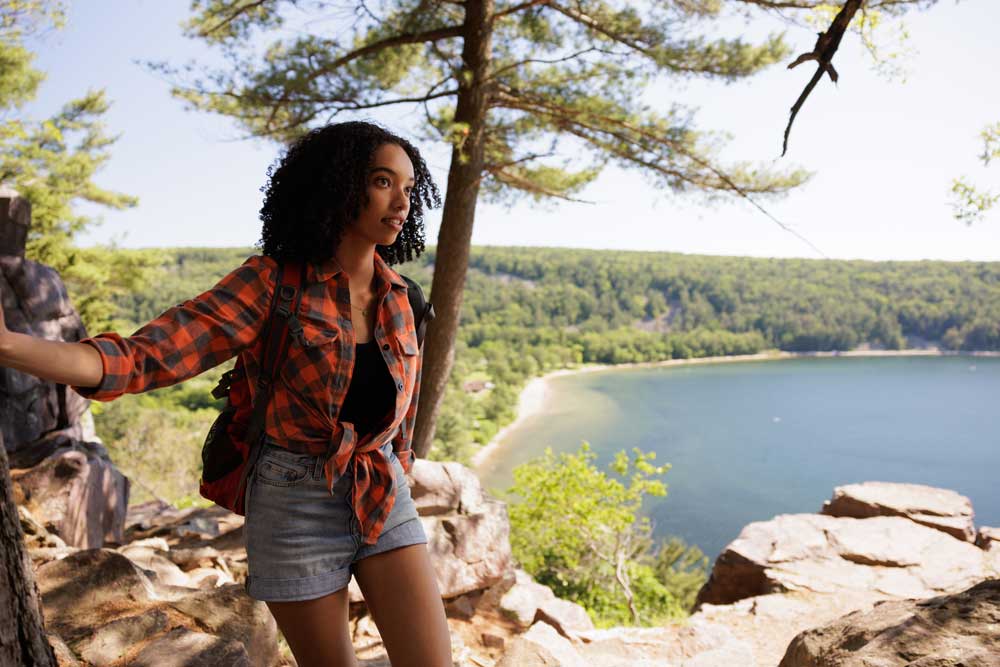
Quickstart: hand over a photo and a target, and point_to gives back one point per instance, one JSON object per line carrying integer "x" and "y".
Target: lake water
{"x": 748, "y": 441}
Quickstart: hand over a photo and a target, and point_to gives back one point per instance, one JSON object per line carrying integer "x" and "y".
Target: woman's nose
{"x": 402, "y": 200}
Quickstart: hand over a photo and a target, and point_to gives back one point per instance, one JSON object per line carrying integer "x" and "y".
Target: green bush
{"x": 577, "y": 530}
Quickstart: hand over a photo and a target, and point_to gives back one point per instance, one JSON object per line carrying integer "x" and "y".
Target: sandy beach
{"x": 535, "y": 394}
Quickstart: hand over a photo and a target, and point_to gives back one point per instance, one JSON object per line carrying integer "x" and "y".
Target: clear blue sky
{"x": 883, "y": 152}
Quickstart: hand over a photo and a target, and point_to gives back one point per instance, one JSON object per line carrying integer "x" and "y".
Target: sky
{"x": 883, "y": 152}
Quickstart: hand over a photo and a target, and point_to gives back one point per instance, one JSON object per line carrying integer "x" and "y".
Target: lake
{"x": 748, "y": 441}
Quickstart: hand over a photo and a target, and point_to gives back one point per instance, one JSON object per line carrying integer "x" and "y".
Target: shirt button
{"x": 385, "y": 346}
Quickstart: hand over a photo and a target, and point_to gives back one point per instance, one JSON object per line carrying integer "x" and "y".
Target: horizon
{"x": 429, "y": 247}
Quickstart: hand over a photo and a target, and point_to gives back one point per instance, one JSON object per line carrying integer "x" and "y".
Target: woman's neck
{"x": 357, "y": 258}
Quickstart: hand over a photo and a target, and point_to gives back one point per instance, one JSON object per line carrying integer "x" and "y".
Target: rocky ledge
{"x": 890, "y": 588}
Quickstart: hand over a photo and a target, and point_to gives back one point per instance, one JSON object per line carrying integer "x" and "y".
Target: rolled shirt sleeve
{"x": 189, "y": 338}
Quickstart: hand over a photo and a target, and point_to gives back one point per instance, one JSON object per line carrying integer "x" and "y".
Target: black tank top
{"x": 372, "y": 392}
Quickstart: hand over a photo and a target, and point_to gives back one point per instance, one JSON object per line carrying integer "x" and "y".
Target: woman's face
{"x": 389, "y": 183}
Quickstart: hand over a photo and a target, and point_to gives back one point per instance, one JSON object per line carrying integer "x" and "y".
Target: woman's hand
{"x": 74, "y": 364}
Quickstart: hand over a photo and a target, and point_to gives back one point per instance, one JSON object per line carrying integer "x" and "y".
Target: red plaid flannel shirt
{"x": 310, "y": 387}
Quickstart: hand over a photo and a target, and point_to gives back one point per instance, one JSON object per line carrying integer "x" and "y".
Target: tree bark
{"x": 22, "y": 628}
{"x": 451, "y": 262}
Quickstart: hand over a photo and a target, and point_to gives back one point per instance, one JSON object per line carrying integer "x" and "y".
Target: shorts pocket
{"x": 282, "y": 468}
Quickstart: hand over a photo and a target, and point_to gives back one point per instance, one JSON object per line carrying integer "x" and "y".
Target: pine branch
{"x": 232, "y": 17}
{"x": 589, "y": 125}
{"x": 519, "y": 8}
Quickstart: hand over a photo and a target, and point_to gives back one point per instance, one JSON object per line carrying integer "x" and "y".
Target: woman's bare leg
{"x": 317, "y": 630}
{"x": 402, "y": 595}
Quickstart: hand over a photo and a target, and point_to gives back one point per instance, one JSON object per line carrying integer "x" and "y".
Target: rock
{"x": 47, "y": 554}
{"x": 541, "y": 646}
{"x": 230, "y": 614}
{"x": 463, "y": 606}
{"x": 439, "y": 488}
{"x": 945, "y": 631}
{"x": 15, "y": 219}
{"x": 89, "y": 587}
{"x": 988, "y": 538}
{"x": 491, "y": 640}
{"x": 80, "y": 497}
{"x": 111, "y": 641}
{"x": 35, "y": 534}
{"x": 891, "y": 556}
{"x": 156, "y": 519}
{"x": 143, "y": 516}
{"x": 767, "y": 623}
{"x": 523, "y": 600}
{"x": 942, "y": 509}
{"x": 207, "y": 577}
{"x": 64, "y": 656}
{"x": 568, "y": 618}
{"x": 155, "y": 560}
{"x": 470, "y": 551}
{"x": 37, "y": 417}
{"x": 674, "y": 645}
{"x": 184, "y": 648}
{"x": 189, "y": 559}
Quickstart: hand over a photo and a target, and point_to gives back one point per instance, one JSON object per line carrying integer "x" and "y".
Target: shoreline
{"x": 533, "y": 397}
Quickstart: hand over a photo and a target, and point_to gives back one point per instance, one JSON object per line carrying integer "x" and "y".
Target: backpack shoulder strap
{"x": 423, "y": 311}
{"x": 281, "y": 325}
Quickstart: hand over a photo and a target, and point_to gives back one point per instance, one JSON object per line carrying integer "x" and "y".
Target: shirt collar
{"x": 330, "y": 267}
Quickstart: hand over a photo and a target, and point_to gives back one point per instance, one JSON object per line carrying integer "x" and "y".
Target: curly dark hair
{"x": 320, "y": 184}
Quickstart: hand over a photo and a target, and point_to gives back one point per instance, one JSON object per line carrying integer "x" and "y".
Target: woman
{"x": 328, "y": 497}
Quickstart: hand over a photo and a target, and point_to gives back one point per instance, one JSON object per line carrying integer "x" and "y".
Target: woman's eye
{"x": 381, "y": 180}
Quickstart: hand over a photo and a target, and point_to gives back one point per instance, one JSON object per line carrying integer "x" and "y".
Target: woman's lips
{"x": 392, "y": 222}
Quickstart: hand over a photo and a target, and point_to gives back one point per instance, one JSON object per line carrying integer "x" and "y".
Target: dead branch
{"x": 826, "y": 46}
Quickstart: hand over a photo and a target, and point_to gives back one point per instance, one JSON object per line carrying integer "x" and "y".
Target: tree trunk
{"x": 451, "y": 261}
{"x": 22, "y": 629}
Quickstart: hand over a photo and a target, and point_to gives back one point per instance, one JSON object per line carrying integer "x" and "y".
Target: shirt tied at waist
{"x": 374, "y": 484}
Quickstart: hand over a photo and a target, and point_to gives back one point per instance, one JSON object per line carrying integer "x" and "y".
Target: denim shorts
{"x": 302, "y": 541}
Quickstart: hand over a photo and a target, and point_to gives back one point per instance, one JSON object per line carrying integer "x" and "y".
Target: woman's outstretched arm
{"x": 182, "y": 342}
{"x": 66, "y": 363}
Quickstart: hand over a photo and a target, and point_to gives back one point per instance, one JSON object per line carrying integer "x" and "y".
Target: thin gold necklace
{"x": 364, "y": 311}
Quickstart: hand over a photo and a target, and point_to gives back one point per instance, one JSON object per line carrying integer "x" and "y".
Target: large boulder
{"x": 892, "y": 556}
{"x": 77, "y": 494}
{"x": 89, "y": 587}
{"x": 106, "y": 608}
{"x": 37, "y": 416}
{"x": 61, "y": 470}
{"x": 228, "y": 613}
{"x": 468, "y": 532}
{"x": 951, "y": 630}
{"x": 942, "y": 509}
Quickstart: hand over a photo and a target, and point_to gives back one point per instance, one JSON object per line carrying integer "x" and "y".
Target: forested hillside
{"x": 530, "y": 310}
